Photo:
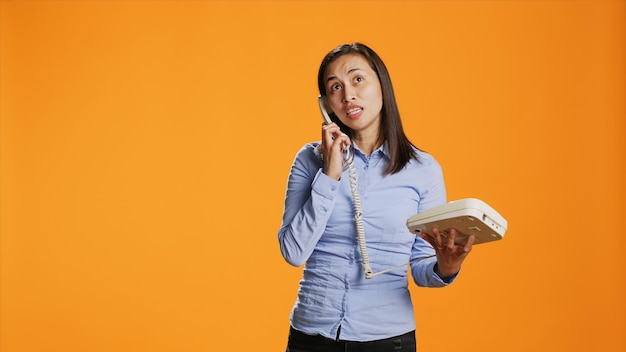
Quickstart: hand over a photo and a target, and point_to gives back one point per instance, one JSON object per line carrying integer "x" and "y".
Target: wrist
{"x": 333, "y": 175}
{"x": 443, "y": 274}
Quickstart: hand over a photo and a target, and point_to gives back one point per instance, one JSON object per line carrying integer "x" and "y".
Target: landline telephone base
{"x": 469, "y": 216}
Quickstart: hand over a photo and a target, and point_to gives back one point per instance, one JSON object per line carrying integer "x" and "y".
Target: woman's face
{"x": 354, "y": 93}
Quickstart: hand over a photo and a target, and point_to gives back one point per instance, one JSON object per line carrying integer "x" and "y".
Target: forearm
{"x": 426, "y": 274}
{"x": 307, "y": 209}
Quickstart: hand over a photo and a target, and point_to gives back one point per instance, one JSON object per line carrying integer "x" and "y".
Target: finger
{"x": 327, "y": 129}
{"x": 339, "y": 143}
{"x": 469, "y": 243}
{"x": 344, "y": 140}
{"x": 328, "y": 132}
{"x": 332, "y": 127}
{"x": 438, "y": 241}
{"x": 428, "y": 238}
{"x": 451, "y": 238}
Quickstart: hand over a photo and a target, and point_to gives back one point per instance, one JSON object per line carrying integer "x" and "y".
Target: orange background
{"x": 145, "y": 147}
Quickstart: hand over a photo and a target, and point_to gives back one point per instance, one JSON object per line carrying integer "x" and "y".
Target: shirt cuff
{"x": 325, "y": 186}
{"x": 446, "y": 280}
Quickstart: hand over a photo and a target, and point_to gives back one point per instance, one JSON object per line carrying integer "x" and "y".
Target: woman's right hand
{"x": 333, "y": 144}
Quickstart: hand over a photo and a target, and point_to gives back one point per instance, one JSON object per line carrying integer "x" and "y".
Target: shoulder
{"x": 423, "y": 160}
{"x": 424, "y": 168}
{"x": 425, "y": 176}
{"x": 311, "y": 149}
{"x": 309, "y": 155}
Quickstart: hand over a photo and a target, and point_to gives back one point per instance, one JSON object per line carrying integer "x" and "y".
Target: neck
{"x": 367, "y": 144}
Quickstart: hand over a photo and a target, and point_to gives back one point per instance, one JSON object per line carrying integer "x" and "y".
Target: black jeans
{"x": 301, "y": 342}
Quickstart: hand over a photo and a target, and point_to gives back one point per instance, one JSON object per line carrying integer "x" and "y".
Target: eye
{"x": 357, "y": 79}
{"x": 335, "y": 87}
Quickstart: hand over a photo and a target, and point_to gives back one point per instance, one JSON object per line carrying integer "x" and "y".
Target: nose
{"x": 348, "y": 94}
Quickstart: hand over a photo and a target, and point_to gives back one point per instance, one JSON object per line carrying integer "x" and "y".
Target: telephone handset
{"x": 324, "y": 108}
{"x": 347, "y": 148}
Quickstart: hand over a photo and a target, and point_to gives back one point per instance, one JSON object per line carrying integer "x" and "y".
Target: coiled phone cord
{"x": 358, "y": 212}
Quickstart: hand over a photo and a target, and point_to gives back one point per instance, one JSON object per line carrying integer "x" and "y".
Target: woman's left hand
{"x": 450, "y": 255}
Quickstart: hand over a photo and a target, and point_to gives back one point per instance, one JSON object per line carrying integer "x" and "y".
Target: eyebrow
{"x": 330, "y": 78}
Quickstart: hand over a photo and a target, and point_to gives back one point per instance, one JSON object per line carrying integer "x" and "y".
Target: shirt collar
{"x": 383, "y": 150}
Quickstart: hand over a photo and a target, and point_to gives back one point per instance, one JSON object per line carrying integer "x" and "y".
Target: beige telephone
{"x": 469, "y": 216}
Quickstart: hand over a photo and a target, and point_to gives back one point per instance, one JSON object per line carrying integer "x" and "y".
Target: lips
{"x": 353, "y": 112}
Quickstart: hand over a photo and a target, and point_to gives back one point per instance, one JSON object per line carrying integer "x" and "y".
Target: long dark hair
{"x": 401, "y": 150}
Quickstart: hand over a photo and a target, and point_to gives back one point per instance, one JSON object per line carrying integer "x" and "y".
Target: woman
{"x": 337, "y": 307}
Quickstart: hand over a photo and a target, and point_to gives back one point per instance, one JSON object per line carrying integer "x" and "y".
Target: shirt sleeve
{"x": 432, "y": 194}
{"x": 309, "y": 201}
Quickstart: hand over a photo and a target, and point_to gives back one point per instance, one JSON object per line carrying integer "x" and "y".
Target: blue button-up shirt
{"x": 318, "y": 229}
